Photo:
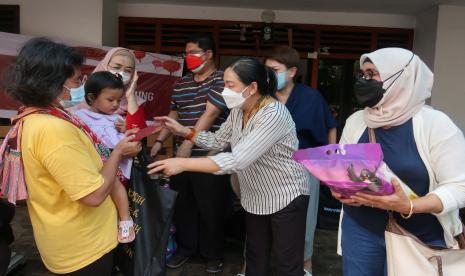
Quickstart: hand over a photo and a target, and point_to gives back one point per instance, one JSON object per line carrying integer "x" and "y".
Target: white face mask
{"x": 125, "y": 76}
{"x": 234, "y": 99}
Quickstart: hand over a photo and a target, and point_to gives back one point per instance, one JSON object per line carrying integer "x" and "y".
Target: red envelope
{"x": 141, "y": 134}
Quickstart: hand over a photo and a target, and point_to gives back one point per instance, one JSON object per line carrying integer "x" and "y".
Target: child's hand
{"x": 120, "y": 125}
{"x": 132, "y": 132}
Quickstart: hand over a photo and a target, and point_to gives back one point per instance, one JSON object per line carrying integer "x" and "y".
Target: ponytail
{"x": 252, "y": 70}
{"x": 272, "y": 82}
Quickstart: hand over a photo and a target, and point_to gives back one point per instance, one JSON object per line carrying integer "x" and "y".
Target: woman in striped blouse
{"x": 274, "y": 190}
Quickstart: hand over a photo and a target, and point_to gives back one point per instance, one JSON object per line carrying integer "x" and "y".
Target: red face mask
{"x": 193, "y": 61}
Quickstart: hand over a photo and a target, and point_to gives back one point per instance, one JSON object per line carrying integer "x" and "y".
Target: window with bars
{"x": 247, "y": 38}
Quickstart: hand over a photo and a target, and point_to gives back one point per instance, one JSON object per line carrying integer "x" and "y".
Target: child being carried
{"x": 103, "y": 93}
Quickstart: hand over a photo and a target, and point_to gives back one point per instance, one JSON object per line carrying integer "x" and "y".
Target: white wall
{"x": 449, "y": 86}
{"x": 69, "y": 19}
{"x": 241, "y": 14}
{"x": 424, "y": 42}
{"x": 110, "y": 23}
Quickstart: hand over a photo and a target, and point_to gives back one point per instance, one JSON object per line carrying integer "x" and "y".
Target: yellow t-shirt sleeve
{"x": 73, "y": 169}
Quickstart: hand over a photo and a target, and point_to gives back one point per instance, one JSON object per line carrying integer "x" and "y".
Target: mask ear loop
{"x": 243, "y": 90}
{"x": 398, "y": 73}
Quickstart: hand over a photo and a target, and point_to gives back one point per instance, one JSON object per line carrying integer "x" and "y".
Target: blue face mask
{"x": 77, "y": 94}
{"x": 281, "y": 79}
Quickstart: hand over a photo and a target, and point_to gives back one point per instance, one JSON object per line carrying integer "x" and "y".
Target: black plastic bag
{"x": 152, "y": 207}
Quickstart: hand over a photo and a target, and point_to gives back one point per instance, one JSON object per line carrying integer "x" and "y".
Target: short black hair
{"x": 252, "y": 70}
{"x": 40, "y": 71}
{"x": 99, "y": 81}
{"x": 204, "y": 40}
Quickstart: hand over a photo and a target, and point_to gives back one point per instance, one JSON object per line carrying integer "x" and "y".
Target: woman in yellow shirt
{"x": 67, "y": 182}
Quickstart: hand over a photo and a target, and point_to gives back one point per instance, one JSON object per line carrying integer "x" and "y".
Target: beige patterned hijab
{"x": 406, "y": 92}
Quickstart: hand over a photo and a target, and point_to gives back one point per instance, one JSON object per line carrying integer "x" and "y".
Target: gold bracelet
{"x": 410, "y": 213}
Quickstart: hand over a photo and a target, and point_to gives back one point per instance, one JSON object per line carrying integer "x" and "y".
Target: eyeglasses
{"x": 198, "y": 53}
{"x": 117, "y": 67}
{"x": 78, "y": 81}
{"x": 368, "y": 74}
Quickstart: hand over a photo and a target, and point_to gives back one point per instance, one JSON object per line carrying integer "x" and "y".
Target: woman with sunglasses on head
{"x": 274, "y": 189}
{"x": 422, "y": 146}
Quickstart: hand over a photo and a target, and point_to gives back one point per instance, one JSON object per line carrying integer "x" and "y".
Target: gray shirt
{"x": 261, "y": 155}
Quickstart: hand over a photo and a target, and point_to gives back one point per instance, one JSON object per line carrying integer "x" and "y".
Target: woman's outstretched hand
{"x": 169, "y": 167}
{"x": 173, "y": 126}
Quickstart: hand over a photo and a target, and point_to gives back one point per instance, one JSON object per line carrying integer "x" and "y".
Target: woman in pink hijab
{"x": 123, "y": 62}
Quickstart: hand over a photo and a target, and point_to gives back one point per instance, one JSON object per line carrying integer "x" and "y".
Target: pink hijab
{"x": 103, "y": 66}
{"x": 407, "y": 94}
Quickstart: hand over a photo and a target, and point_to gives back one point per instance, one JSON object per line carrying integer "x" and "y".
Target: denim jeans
{"x": 363, "y": 251}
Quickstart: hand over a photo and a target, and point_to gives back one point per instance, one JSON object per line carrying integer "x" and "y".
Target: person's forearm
{"x": 332, "y": 134}
{"x": 427, "y": 204}
{"x": 165, "y": 133}
{"x": 108, "y": 171}
{"x": 205, "y": 122}
{"x": 208, "y": 118}
{"x": 205, "y": 165}
{"x": 132, "y": 103}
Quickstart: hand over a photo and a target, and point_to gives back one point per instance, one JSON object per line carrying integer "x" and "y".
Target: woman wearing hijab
{"x": 123, "y": 62}
{"x": 422, "y": 146}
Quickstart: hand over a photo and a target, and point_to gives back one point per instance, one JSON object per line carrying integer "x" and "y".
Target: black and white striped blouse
{"x": 261, "y": 155}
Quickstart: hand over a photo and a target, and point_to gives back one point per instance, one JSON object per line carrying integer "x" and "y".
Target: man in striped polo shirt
{"x": 200, "y": 206}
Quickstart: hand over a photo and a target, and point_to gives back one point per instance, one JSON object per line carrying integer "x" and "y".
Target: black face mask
{"x": 368, "y": 93}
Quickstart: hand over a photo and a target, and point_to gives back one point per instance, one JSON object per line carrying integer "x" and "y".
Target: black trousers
{"x": 101, "y": 267}
{"x": 5, "y": 256}
{"x": 200, "y": 214}
{"x": 279, "y": 236}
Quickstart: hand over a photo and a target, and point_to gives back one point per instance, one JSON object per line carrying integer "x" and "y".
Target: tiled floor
{"x": 326, "y": 262}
